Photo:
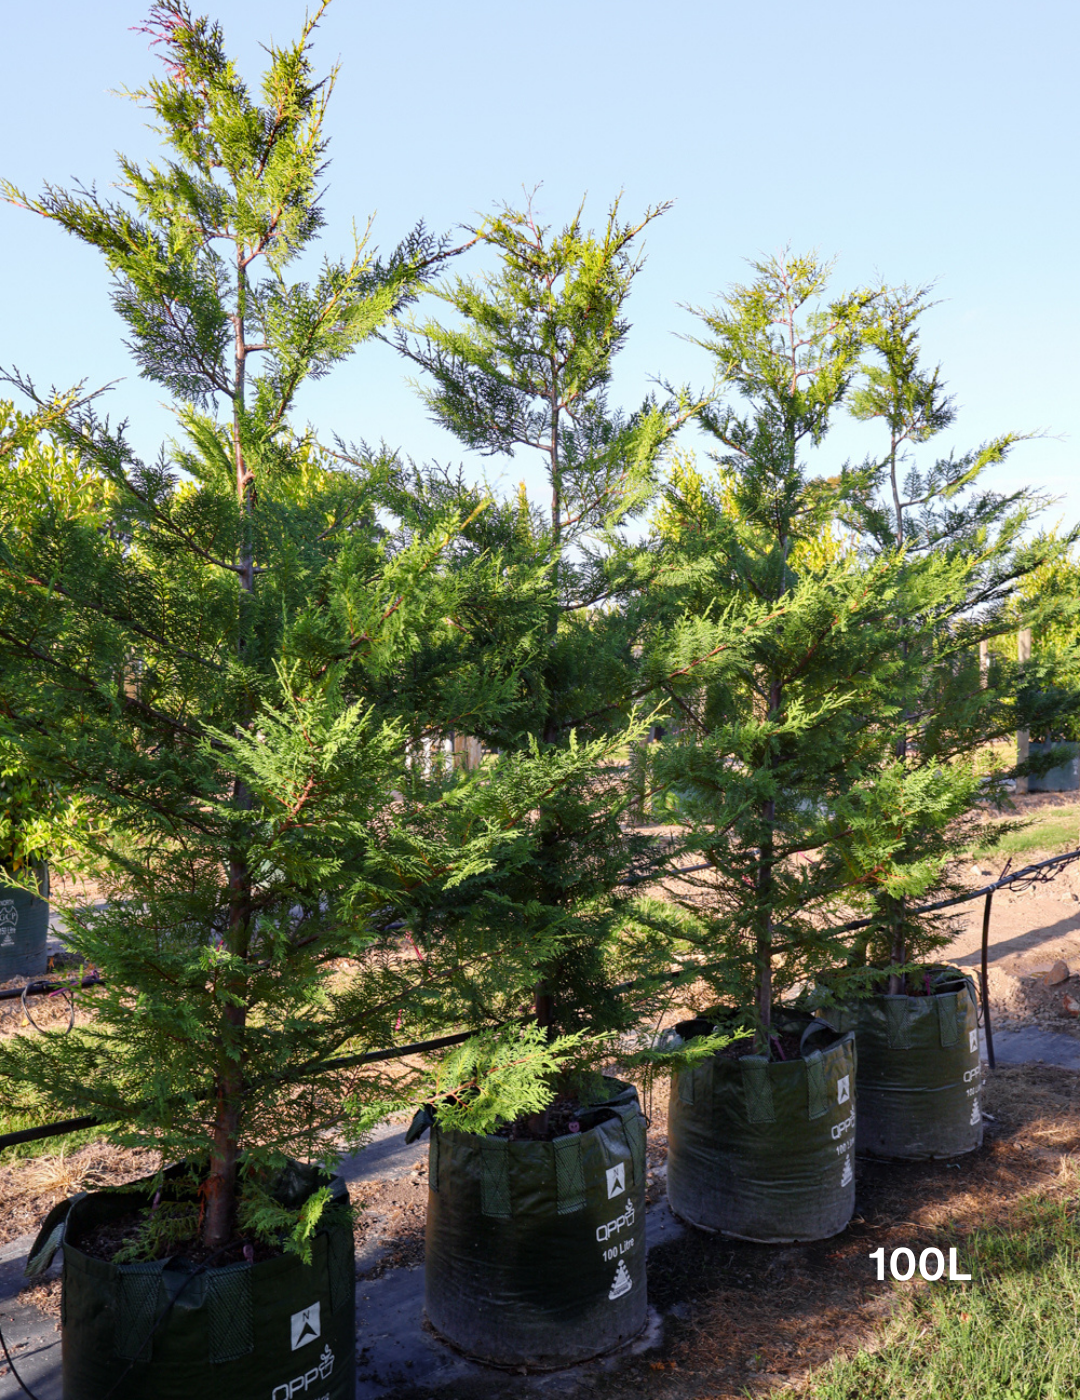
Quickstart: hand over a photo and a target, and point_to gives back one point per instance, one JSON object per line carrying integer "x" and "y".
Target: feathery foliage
{"x": 525, "y": 364}
{"x": 969, "y": 556}
{"x": 777, "y": 651}
{"x": 217, "y": 655}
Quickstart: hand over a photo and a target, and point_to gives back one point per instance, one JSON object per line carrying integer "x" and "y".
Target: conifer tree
{"x": 213, "y": 659}
{"x": 967, "y": 553}
{"x": 525, "y": 366}
{"x": 770, "y": 734}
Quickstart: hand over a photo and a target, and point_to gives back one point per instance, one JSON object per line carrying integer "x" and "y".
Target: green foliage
{"x": 471, "y": 1085}
{"x": 264, "y": 1217}
{"x": 525, "y": 364}
{"x": 31, "y": 801}
{"x": 217, "y": 649}
{"x": 162, "y": 1230}
{"x": 773, "y": 650}
{"x": 660, "y": 1061}
{"x": 1053, "y": 588}
{"x": 968, "y": 557}
{"x": 25, "y": 805}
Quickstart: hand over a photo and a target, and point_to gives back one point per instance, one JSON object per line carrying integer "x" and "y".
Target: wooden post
{"x": 1023, "y": 737}
{"x": 985, "y": 983}
{"x": 466, "y": 751}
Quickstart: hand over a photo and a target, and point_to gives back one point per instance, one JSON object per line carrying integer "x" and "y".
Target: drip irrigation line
{"x": 42, "y": 988}
{"x": 1028, "y": 872}
{"x": 75, "y": 1125}
{"x": 72, "y": 1125}
{"x": 22, "y": 1384}
{"x": 47, "y": 1130}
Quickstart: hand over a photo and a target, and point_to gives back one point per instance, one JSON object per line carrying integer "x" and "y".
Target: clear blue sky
{"x": 921, "y": 142}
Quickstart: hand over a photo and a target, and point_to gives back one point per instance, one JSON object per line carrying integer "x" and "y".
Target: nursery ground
{"x": 726, "y": 1316}
{"x": 1032, "y": 931}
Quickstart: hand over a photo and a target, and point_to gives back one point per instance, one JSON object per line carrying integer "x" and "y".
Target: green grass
{"x": 1052, "y": 829}
{"x": 1012, "y": 1333}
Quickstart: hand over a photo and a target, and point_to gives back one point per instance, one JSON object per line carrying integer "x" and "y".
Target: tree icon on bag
{"x": 622, "y": 1282}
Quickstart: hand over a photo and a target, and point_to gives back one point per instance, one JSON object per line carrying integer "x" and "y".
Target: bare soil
{"x": 1030, "y": 930}
{"x": 392, "y": 1214}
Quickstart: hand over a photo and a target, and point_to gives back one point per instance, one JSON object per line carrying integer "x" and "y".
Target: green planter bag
{"x": 24, "y": 930}
{"x": 536, "y": 1250}
{"x": 920, "y": 1076}
{"x": 763, "y": 1149}
{"x": 167, "y": 1330}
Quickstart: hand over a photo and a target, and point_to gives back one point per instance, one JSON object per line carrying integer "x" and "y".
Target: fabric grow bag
{"x": 275, "y": 1330}
{"x": 1065, "y": 777}
{"x": 920, "y": 1076}
{"x": 763, "y": 1149}
{"x": 24, "y": 930}
{"x": 535, "y": 1251}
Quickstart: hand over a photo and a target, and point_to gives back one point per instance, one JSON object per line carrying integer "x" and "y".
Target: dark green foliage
{"x": 770, "y": 731}
{"x": 525, "y": 364}
{"x": 218, "y": 655}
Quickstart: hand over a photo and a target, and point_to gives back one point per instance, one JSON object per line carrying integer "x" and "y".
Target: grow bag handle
{"x": 422, "y": 1120}
{"x": 812, "y": 1029}
{"x": 50, "y": 1237}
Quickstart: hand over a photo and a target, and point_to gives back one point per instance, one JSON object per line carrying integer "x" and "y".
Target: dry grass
{"x": 30, "y": 1189}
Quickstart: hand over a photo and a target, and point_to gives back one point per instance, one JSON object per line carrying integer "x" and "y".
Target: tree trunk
{"x": 764, "y": 938}
{"x": 220, "y": 1213}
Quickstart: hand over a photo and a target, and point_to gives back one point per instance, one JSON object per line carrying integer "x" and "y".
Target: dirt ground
{"x": 742, "y": 1317}
{"x": 738, "y": 1317}
{"x": 1030, "y": 931}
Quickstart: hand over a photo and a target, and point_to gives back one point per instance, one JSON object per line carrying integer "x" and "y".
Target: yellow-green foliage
{"x": 695, "y": 497}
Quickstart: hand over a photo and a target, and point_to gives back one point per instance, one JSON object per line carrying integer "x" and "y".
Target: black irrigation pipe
{"x": 42, "y": 989}
{"x": 73, "y": 1125}
{"x": 47, "y": 1130}
{"x": 998, "y": 884}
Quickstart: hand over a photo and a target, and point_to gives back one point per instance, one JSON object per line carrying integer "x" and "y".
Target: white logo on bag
{"x": 843, "y": 1089}
{"x": 9, "y": 922}
{"x": 973, "y": 1041}
{"x": 305, "y": 1326}
{"x": 616, "y": 1180}
{"x": 621, "y": 1283}
{"x": 839, "y": 1129}
{"x": 848, "y": 1174}
{"x": 299, "y": 1384}
{"x": 605, "y": 1232}
{"x": 976, "y": 1116}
